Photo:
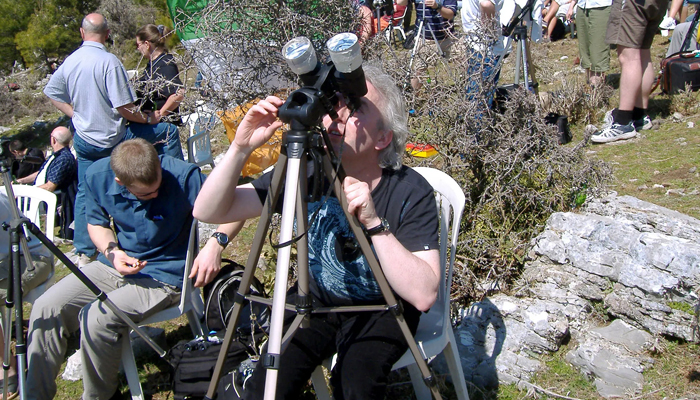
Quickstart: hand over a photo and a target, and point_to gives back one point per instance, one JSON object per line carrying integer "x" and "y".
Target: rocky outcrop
{"x": 624, "y": 260}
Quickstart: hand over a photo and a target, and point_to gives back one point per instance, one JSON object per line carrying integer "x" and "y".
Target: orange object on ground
{"x": 420, "y": 150}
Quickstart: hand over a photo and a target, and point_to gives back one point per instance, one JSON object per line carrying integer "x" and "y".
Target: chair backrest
{"x": 396, "y": 21}
{"x": 450, "y": 201}
{"x": 29, "y": 199}
{"x": 199, "y": 149}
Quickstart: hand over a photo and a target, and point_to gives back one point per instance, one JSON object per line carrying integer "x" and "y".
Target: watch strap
{"x": 382, "y": 227}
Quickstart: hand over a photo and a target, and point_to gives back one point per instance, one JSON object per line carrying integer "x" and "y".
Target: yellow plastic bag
{"x": 265, "y": 155}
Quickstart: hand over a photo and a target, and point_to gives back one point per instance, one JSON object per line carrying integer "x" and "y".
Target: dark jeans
{"x": 368, "y": 344}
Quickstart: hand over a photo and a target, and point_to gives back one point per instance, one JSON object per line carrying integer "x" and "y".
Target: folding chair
{"x": 434, "y": 334}
{"x": 190, "y": 303}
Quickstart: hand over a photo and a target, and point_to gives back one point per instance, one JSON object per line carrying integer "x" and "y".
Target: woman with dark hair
{"x": 159, "y": 87}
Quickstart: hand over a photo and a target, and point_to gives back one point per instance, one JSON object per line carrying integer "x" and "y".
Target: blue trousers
{"x": 164, "y": 136}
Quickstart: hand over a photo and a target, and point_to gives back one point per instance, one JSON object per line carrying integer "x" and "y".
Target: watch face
{"x": 222, "y": 238}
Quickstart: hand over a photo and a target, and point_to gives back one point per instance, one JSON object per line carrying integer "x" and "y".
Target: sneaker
{"x": 614, "y": 133}
{"x": 84, "y": 260}
{"x": 668, "y": 23}
{"x": 642, "y": 124}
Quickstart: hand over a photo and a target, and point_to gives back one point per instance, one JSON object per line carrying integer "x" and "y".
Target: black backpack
{"x": 218, "y": 302}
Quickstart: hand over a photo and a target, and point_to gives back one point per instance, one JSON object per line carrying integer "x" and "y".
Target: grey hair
{"x": 394, "y": 116}
{"x": 100, "y": 29}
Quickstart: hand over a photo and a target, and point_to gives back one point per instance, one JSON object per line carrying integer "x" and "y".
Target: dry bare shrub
{"x": 579, "y": 101}
{"x": 685, "y": 101}
{"x": 512, "y": 170}
{"x": 240, "y": 50}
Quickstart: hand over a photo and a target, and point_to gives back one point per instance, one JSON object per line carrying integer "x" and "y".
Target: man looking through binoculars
{"x": 395, "y": 205}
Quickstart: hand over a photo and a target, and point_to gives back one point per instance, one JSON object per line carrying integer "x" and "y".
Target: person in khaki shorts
{"x": 632, "y": 27}
{"x": 591, "y": 17}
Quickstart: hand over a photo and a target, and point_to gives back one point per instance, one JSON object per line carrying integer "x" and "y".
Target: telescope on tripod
{"x": 307, "y": 148}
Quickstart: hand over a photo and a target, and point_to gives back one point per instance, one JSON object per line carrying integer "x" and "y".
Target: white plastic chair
{"x": 29, "y": 200}
{"x": 199, "y": 149}
{"x": 434, "y": 334}
{"x": 396, "y": 24}
{"x": 199, "y": 142}
{"x": 190, "y": 303}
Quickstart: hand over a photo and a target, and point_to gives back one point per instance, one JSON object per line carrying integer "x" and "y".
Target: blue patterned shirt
{"x": 434, "y": 22}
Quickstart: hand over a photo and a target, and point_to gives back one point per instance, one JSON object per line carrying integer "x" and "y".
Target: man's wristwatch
{"x": 221, "y": 238}
{"x": 382, "y": 227}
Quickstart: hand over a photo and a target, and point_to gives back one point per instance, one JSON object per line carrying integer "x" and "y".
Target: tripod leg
{"x": 518, "y": 60}
{"x": 274, "y": 343}
{"x": 416, "y": 39}
{"x": 247, "y": 278}
{"x": 393, "y": 305}
{"x": 529, "y": 68}
{"x": 303, "y": 299}
{"x": 7, "y": 352}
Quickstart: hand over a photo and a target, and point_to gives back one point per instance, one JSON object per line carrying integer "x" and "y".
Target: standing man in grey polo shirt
{"x": 92, "y": 88}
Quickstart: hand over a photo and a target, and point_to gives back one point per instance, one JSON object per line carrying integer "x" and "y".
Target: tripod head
{"x": 323, "y": 84}
{"x": 521, "y": 14}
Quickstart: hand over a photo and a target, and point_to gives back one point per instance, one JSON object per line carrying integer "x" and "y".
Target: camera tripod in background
{"x": 17, "y": 228}
{"x": 517, "y": 30}
{"x": 417, "y": 39}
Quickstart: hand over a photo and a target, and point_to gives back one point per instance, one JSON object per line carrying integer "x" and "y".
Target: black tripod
{"x": 304, "y": 110}
{"x": 18, "y": 239}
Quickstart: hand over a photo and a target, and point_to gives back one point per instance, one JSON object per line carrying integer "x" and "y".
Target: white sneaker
{"x": 668, "y": 23}
{"x": 614, "y": 133}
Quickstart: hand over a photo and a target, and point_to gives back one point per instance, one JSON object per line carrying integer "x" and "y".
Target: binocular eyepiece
{"x": 323, "y": 85}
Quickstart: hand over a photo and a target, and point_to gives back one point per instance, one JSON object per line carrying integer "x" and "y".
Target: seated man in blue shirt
{"x": 149, "y": 200}
{"x": 60, "y": 169}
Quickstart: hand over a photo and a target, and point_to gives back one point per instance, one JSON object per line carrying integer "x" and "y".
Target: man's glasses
{"x": 139, "y": 195}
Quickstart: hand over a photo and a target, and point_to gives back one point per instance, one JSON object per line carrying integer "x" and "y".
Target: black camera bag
{"x": 193, "y": 366}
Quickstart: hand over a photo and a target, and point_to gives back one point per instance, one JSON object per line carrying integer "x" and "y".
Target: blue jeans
{"x": 484, "y": 66}
{"x": 164, "y": 136}
{"x": 166, "y": 140}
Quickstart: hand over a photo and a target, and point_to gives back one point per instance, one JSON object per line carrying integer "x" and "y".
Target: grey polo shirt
{"x": 95, "y": 82}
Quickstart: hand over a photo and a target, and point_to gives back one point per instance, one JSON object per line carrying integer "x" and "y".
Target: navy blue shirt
{"x": 155, "y": 230}
{"x": 62, "y": 170}
{"x": 434, "y": 21}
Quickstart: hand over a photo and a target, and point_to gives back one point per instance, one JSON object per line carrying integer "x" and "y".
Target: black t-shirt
{"x": 164, "y": 74}
{"x": 339, "y": 272}
{"x": 21, "y": 168}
